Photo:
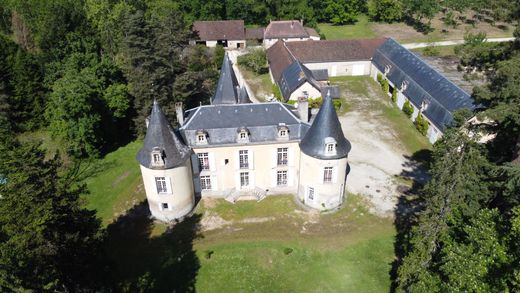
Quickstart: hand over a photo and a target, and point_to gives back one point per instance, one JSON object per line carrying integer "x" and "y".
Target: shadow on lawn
{"x": 142, "y": 263}
{"x": 408, "y": 208}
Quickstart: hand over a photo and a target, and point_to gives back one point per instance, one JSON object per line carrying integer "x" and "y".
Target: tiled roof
{"x": 255, "y": 33}
{"x": 220, "y": 30}
{"x": 312, "y": 32}
{"x": 279, "y": 59}
{"x": 337, "y": 50}
{"x": 285, "y": 29}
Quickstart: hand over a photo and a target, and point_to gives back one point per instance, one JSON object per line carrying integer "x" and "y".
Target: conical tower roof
{"x": 226, "y": 92}
{"x": 325, "y": 126}
{"x": 160, "y": 136}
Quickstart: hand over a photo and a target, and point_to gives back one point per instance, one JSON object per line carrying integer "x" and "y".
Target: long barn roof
{"x": 423, "y": 83}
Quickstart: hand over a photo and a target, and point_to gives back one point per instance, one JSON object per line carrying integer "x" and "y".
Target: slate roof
{"x": 293, "y": 77}
{"x": 285, "y": 29}
{"x": 220, "y": 30}
{"x": 255, "y": 33}
{"x": 424, "y": 83}
{"x": 243, "y": 96}
{"x": 320, "y": 74}
{"x": 227, "y": 87}
{"x": 161, "y": 135}
{"x": 221, "y": 122}
{"x": 337, "y": 50}
{"x": 325, "y": 125}
{"x": 332, "y": 90}
{"x": 279, "y": 58}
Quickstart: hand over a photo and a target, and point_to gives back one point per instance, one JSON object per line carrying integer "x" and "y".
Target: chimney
{"x": 180, "y": 113}
{"x": 301, "y": 21}
{"x": 303, "y": 108}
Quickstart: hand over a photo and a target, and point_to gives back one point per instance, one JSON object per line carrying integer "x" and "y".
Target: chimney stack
{"x": 303, "y": 108}
{"x": 180, "y": 113}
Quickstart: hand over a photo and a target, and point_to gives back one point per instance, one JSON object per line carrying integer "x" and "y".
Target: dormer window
{"x": 387, "y": 69}
{"x": 157, "y": 157}
{"x": 424, "y": 105}
{"x": 404, "y": 85}
{"x": 243, "y": 134}
{"x": 283, "y": 132}
{"x": 201, "y": 137}
{"x": 330, "y": 146}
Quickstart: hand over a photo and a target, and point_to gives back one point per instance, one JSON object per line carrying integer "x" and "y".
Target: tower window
{"x": 243, "y": 135}
{"x": 282, "y": 156}
{"x": 327, "y": 174}
{"x": 160, "y": 183}
{"x": 203, "y": 161}
{"x": 330, "y": 146}
{"x": 157, "y": 157}
{"x": 281, "y": 178}
{"x": 243, "y": 159}
{"x": 205, "y": 182}
{"x": 164, "y": 206}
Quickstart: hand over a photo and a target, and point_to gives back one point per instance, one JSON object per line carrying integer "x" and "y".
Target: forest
{"x": 87, "y": 72}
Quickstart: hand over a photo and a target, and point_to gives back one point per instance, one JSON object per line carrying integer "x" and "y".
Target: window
{"x": 283, "y": 132}
{"x": 244, "y": 179}
{"x": 201, "y": 138}
{"x": 205, "y": 182}
{"x": 327, "y": 174}
{"x": 282, "y": 156}
{"x": 164, "y": 206}
{"x": 243, "y": 158}
{"x": 310, "y": 193}
{"x": 281, "y": 178}
{"x": 330, "y": 146}
{"x": 243, "y": 135}
{"x": 203, "y": 161}
{"x": 157, "y": 158}
{"x": 160, "y": 183}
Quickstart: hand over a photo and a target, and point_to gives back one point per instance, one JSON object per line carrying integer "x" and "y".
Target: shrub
{"x": 431, "y": 51}
{"x": 255, "y": 60}
{"x": 218, "y": 56}
{"x": 379, "y": 78}
{"x": 421, "y": 124}
{"x": 408, "y": 108}
{"x": 276, "y": 91}
{"x": 337, "y": 104}
{"x": 315, "y": 103}
{"x": 385, "y": 86}
{"x": 208, "y": 253}
{"x": 287, "y": 250}
{"x": 291, "y": 102}
{"x": 394, "y": 95}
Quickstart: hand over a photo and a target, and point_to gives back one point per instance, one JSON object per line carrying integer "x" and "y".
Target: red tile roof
{"x": 285, "y": 29}
{"x": 279, "y": 58}
{"x": 255, "y": 33}
{"x": 338, "y": 50}
{"x": 220, "y": 30}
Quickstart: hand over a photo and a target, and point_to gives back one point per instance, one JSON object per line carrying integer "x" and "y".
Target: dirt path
{"x": 377, "y": 157}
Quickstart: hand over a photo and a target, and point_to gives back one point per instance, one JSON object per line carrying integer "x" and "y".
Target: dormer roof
{"x": 227, "y": 91}
{"x": 326, "y": 125}
{"x": 160, "y": 135}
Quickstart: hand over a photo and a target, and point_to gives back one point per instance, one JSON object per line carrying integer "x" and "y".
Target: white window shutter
{"x": 290, "y": 159}
{"x": 212, "y": 164}
{"x": 214, "y": 182}
{"x": 251, "y": 179}
{"x": 168, "y": 185}
{"x": 334, "y": 174}
{"x": 236, "y": 158}
{"x": 251, "y": 159}
{"x": 290, "y": 177}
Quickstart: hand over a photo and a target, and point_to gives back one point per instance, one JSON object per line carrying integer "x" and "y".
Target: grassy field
{"x": 375, "y": 102}
{"x": 439, "y": 51}
{"x": 114, "y": 183}
{"x": 364, "y": 28}
{"x": 361, "y": 29}
{"x": 260, "y": 84}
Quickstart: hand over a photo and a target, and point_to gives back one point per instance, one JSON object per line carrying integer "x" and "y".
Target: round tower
{"x": 323, "y": 161}
{"x": 166, "y": 169}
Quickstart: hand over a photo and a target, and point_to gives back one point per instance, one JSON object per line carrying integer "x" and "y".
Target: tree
{"x": 48, "y": 242}
{"x": 255, "y": 60}
{"x": 343, "y": 12}
{"x": 385, "y": 10}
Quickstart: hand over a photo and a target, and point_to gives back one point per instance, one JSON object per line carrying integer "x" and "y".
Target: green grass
{"x": 361, "y": 29}
{"x": 260, "y": 84}
{"x": 442, "y": 51}
{"x": 114, "y": 183}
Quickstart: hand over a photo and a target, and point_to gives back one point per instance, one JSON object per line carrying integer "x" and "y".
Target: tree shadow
{"x": 418, "y": 25}
{"x": 409, "y": 206}
{"x": 142, "y": 262}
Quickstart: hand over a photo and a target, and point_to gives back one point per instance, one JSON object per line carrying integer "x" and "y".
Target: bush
{"x": 394, "y": 95}
{"x": 379, "y": 78}
{"x": 337, "y": 104}
{"x": 277, "y": 93}
{"x": 431, "y": 51}
{"x": 291, "y": 102}
{"x": 385, "y": 86}
{"x": 287, "y": 250}
{"x": 218, "y": 56}
{"x": 408, "y": 108}
{"x": 421, "y": 124}
{"x": 255, "y": 60}
{"x": 315, "y": 103}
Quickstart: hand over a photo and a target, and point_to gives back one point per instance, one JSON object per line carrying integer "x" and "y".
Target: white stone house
{"x": 288, "y": 31}
{"x": 231, "y": 149}
{"x": 227, "y": 33}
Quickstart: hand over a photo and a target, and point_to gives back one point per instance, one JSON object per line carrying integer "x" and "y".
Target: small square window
{"x": 243, "y": 135}
{"x": 164, "y": 206}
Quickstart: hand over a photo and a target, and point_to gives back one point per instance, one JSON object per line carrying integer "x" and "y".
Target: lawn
{"x": 438, "y": 51}
{"x": 361, "y": 29}
{"x": 260, "y": 84}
